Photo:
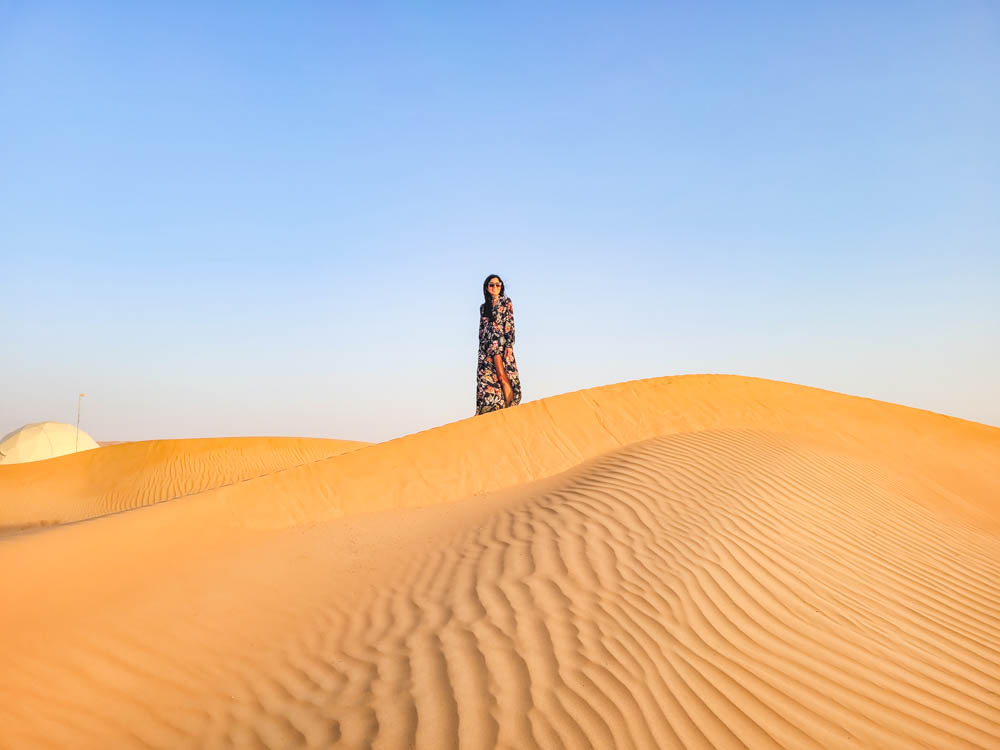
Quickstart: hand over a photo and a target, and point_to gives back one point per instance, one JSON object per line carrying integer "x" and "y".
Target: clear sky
{"x": 275, "y": 218}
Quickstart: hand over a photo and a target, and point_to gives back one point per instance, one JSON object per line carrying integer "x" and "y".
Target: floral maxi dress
{"x": 495, "y": 338}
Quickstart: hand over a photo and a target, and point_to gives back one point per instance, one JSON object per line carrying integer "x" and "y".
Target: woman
{"x": 497, "y": 383}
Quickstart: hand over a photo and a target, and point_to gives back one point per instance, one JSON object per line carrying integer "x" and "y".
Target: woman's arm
{"x": 509, "y": 330}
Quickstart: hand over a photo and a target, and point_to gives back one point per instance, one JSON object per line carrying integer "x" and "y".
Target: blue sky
{"x": 275, "y": 219}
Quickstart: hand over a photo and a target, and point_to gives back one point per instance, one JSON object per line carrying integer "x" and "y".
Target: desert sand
{"x": 124, "y": 476}
{"x": 697, "y": 561}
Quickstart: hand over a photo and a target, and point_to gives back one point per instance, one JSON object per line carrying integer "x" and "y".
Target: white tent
{"x": 41, "y": 440}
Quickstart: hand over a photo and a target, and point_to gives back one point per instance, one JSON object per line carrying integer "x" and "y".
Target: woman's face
{"x": 493, "y": 286}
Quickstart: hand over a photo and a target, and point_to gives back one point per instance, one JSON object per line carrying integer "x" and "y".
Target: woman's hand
{"x": 508, "y": 393}
{"x": 508, "y": 354}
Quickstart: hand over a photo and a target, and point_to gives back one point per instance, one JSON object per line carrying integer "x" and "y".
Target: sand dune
{"x": 122, "y": 476}
{"x": 703, "y": 561}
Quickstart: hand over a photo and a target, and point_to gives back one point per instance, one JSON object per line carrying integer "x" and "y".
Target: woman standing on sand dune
{"x": 497, "y": 383}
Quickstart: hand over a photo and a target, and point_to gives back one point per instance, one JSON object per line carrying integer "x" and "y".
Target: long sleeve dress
{"x": 495, "y": 337}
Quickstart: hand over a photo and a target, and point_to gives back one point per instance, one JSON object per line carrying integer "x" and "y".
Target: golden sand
{"x": 700, "y": 561}
{"x": 123, "y": 476}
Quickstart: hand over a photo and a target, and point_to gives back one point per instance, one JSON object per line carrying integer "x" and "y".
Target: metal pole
{"x": 76, "y": 448}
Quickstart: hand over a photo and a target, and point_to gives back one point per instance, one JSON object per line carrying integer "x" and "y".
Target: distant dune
{"x": 698, "y": 561}
{"x": 122, "y": 476}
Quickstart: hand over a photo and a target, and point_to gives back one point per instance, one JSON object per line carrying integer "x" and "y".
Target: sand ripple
{"x": 725, "y": 588}
{"x": 124, "y": 476}
{"x": 702, "y": 590}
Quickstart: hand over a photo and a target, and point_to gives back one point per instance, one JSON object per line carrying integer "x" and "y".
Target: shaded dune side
{"x": 715, "y": 589}
{"x": 130, "y": 475}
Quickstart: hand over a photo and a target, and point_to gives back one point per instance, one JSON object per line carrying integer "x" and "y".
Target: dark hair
{"x": 486, "y": 309}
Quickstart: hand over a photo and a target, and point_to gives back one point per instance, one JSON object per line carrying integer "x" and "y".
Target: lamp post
{"x": 79, "y": 401}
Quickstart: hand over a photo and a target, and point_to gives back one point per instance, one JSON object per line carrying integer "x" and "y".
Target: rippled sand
{"x": 703, "y": 561}
{"x": 123, "y": 476}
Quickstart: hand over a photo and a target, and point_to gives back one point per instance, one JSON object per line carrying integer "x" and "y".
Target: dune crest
{"x": 706, "y": 561}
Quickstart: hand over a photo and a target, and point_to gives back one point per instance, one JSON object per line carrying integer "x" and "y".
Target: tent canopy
{"x": 41, "y": 440}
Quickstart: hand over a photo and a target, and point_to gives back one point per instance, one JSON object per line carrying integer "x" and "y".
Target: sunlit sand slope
{"x": 128, "y": 475}
{"x": 825, "y": 577}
